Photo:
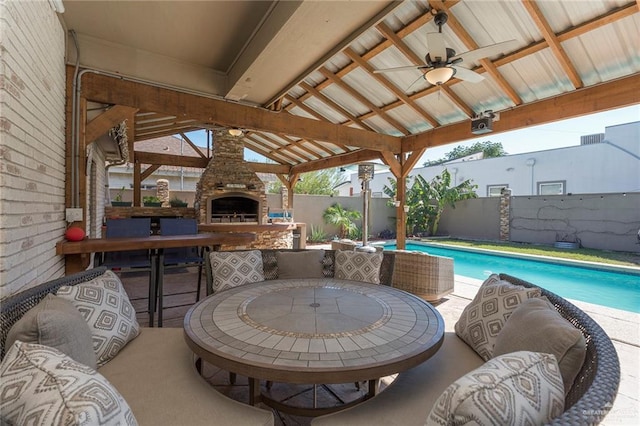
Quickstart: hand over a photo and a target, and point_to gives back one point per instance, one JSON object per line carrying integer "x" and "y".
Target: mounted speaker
{"x": 480, "y": 126}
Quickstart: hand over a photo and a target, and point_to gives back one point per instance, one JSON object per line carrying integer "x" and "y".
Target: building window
{"x": 551, "y": 188}
{"x": 495, "y": 190}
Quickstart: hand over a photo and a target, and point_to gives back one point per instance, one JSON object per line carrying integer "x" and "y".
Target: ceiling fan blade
{"x": 437, "y": 49}
{"x": 407, "y": 68}
{"x": 486, "y": 52}
{"x": 466, "y": 74}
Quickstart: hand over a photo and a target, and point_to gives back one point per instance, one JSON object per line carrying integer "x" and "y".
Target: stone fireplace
{"x": 229, "y": 191}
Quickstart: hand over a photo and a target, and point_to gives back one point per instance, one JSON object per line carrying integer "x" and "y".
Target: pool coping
{"x": 548, "y": 259}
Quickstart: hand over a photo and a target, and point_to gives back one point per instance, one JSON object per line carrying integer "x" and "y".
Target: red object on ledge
{"x": 74, "y": 234}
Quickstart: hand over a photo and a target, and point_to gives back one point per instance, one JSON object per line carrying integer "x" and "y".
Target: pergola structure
{"x": 298, "y": 77}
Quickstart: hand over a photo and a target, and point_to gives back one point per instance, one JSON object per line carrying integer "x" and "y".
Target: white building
{"x": 601, "y": 164}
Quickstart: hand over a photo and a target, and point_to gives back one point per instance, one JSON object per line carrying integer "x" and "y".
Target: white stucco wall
{"x": 32, "y": 145}
{"x": 610, "y": 166}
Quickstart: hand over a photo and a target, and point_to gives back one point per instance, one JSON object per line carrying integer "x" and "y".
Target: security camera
{"x": 482, "y": 125}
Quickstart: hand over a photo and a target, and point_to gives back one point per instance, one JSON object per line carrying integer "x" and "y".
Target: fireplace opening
{"x": 234, "y": 208}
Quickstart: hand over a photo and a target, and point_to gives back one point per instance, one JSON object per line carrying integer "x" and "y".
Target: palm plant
{"x": 342, "y": 218}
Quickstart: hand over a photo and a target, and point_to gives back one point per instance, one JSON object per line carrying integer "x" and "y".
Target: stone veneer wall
{"x": 505, "y": 214}
{"x": 32, "y": 144}
{"x": 227, "y": 166}
{"x": 267, "y": 240}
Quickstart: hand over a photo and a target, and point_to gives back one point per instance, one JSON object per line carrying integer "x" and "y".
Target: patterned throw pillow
{"x": 233, "y": 268}
{"x": 41, "y": 386}
{"x": 56, "y": 323}
{"x": 520, "y": 388}
{"x": 105, "y": 306}
{"x": 483, "y": 318}
{"x": 358, "y": 266}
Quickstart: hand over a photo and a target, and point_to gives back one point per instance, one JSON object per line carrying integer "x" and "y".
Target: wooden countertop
{"x": 95, "y": 245}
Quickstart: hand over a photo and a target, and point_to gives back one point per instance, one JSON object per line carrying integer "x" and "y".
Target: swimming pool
{"x": 617, "y": 290}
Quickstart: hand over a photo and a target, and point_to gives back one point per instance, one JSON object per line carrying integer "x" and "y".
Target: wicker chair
{"x": 596, "y": 385}
{"x": 426, "y": 276}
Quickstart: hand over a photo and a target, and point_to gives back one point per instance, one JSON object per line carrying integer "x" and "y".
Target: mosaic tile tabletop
{"x": 314, "y": 324}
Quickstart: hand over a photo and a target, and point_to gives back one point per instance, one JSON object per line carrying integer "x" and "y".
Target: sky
{"x": 535, "y": 138}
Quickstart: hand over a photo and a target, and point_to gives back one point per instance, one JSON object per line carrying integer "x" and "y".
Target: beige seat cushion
{"x": 41, "y": 386}
{"x": 547, "y": 332}
{"x": 302, "y": 264}
{"x": 155, "y": 374}
{"x": 408, "y": 401}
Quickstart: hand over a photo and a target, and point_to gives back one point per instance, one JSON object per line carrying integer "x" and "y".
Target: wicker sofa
{"x": 154, "y": 373}
{"x": 409, "y": 399}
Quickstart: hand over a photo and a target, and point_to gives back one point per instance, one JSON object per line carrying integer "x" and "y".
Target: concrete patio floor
{"x": 180, "y": 285}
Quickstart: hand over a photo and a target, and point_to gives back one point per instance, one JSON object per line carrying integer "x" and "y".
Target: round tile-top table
{"x": 313, "y": 331}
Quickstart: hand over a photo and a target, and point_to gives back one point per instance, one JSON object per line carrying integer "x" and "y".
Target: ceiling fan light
{"x": 438, "y": 76}
{"x": 235, "y": 132}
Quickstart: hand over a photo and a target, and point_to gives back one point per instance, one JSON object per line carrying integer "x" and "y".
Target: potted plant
{"x": 117, "y": 201}
{"x": 177, "y": 202}
{"x": 151, "y": 201}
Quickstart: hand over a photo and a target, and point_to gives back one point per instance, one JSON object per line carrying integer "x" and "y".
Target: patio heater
{"x": 365, "y": 173}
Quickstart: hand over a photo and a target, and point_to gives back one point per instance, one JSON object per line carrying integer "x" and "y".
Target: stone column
{"x": 162, "y": 191}
{"x": 505, "y": 214}
{"x": 284, "y": 197}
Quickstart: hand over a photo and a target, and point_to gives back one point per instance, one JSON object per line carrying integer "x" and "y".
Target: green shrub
{"x": 317, "y": 234}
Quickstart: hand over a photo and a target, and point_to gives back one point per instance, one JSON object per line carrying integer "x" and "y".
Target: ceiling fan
{"x": 442, "y": 63}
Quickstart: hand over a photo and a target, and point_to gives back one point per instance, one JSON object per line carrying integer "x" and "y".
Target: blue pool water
{"x": 613, "y": 289}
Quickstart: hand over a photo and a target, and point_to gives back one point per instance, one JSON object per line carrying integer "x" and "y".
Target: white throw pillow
{"x": 358, "y": 266}
{"x": 483, "y": 318}
{"x": 520, "y": 388}
{"x": 233, "y": 268}
{"x": 41, "y": 386}
{"x": 105, "y": 306}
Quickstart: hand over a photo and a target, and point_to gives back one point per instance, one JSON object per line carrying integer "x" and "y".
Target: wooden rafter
{"x": 193, "y": 145}
{"x": 392, "y": 87}
{"x": 268, "y": 152}
{"x": 333, "y": 105}
{"x": 489, "y": 67}
{"x": 305, "y": 108}
{"x": 105, "y": 121}
{"x": 551, "y": 39}
{"x": 337, "y": 161}
{"x": 284, "y": 150}
{"x": 166, "y": 132}
{"x": 416, "y": 60}
{"x": 363, "y": 100}
{"x": 300, "y": 146}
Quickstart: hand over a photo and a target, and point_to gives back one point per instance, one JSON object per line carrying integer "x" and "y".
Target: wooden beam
{"x": 106, "y": 89}
{"x": 269, "y": 168}
{"x": 171, "y": 160}
{"x": 553, "y": 42}
{"x": 337, "y": 161}
{"x": 193, "y": 145}
{"x": 390, "y": 160}
{"x": 409, "y": 162}
{"x": 149, "y": 171}
{"x": 602, "y": 97}
{"x": 108, "y": 119}
{"x": 363, "y": 100}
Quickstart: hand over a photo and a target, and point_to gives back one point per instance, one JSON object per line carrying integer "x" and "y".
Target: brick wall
{"x": 32, "y": 147}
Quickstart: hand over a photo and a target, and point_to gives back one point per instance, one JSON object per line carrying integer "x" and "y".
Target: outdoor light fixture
{"x": 365, "y": 173}
{"x": 235, "y": 132}
{"x": 438, "y": 76}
